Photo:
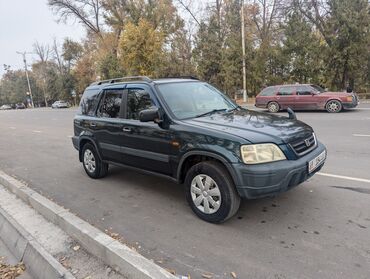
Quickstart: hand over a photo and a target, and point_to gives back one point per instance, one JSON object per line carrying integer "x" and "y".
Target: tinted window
{"x": 137, "y": 100}
{"x": 110, "y": 104}
{"x": 269, "y": 91}
{"x": 304, "y": 90}
{"x": 286, "y": 90}
{"x": 318, "y": 88}
{"x": 88, "y": 102}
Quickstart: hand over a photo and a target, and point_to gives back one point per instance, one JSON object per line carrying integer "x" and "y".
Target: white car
{"x": 5, "y": 107}
{"x": 60, "y": 104}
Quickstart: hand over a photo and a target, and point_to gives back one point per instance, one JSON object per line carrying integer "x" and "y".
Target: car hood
{"x": 255, "y": 127}
{"x": 339, "y": 94}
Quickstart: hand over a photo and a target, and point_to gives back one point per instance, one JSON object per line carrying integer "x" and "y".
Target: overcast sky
{"x": 22, "y": 22}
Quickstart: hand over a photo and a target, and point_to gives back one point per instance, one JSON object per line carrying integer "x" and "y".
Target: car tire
{"x": 333, "y": 106}
{"x": 273, "y": 107}
{"x": 216, "y": 202}
{"x": 93, "y": 165}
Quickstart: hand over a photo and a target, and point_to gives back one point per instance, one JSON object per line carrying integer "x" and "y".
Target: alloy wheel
{"x": 89, "y": 161}
{"x": 205, "y": 194}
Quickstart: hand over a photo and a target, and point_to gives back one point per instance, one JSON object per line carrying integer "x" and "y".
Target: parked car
{"x": 20, "y": 106}
{"x": 5, "y": 107}
{"x": 304, "y": 97}
{"x": 60, "y": 104}
{"x": 191, "y": 133}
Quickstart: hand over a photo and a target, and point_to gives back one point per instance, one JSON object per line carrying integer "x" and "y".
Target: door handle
{"x": 92, "y": 124}
{"x": 126, "y": 129}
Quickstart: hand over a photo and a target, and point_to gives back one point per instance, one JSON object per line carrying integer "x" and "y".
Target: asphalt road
{"x": 320, "y": 229}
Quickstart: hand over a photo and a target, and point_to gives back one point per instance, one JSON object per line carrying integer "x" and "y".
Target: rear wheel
{"x": 94, "y": 167}
{"x": 211, "y": 192}
{"x": 333, "y": 106}
{"x": 273, "y": 107}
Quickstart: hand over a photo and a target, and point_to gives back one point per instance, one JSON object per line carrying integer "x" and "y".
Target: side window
{"x": 269, "y": 91}
{"x": 304, "y": 90}
{"x": 110, "y": 104}
{"x": 137, "y": 100}
{"x": 286, "y": 91}
{"x": 88, "y": 102}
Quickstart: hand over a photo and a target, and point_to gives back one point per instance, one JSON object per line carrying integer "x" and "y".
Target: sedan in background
{"x": 20, "y": 106}
{"x": 304, "y": 97}
{"x": 60, "y": 104}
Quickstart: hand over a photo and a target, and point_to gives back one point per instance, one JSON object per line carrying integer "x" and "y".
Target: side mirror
{"x": 313, "y": 93}
{"x": 151, "y": 114}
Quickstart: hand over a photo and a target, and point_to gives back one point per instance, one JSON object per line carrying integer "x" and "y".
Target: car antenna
{"x": 291, "y": 114}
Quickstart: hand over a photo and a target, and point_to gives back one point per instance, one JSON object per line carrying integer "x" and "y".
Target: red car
{"x": 304, "y": 97}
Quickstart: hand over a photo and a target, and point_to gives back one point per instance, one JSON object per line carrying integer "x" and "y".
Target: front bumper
{"x": 257, "y": 181}
{"x": 350, "y": 105}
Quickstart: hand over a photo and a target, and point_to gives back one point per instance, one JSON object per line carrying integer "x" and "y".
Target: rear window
{"x": 89, "y": 102}
{"x": 269, "y": 91}
{"x": 286, "y": 90}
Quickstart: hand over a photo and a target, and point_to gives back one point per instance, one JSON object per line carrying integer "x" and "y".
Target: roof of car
{"x": 119, "y": 81}
{"x": 294, "y": 84}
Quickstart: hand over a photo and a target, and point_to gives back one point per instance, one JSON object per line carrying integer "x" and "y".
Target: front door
{"x": 305, "y": 98}
{"x": 145, "y": 145}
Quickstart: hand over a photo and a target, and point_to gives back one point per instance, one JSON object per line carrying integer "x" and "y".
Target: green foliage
{"x": 141, "y": 49}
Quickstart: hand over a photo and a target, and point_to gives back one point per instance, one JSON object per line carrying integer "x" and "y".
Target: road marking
{"x": 360, "y": 135}
{"x": 344, "y": 177}
{"x": 36, "y": 131}
{"x": 13, "y": 128}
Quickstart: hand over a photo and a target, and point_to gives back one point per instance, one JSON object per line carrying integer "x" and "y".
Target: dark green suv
{"x": 188, "y": 131}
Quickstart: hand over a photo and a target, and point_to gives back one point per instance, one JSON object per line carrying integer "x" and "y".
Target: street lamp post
{"x": 28, "y": 79}
{"x": 245, "y": 96}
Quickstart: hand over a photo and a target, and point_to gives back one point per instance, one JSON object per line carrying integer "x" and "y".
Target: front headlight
{"x": 261, "y": 153}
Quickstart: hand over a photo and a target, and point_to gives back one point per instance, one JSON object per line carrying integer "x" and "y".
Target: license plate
{"x": 316, "y": 162}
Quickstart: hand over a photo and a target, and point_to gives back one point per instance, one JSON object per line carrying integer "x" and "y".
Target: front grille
{"x": 305, "y": 145}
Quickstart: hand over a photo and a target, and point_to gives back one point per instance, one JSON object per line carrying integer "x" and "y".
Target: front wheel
{"x": 273, "y": 107}
{"x": 211, "y": 192}
{"x": 93, "y": 165}
{"x": 333, "y": 106}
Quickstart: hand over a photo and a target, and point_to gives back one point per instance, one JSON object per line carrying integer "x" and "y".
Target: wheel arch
{"x": 193, "y": 157}
{"x": 82, "y": 142}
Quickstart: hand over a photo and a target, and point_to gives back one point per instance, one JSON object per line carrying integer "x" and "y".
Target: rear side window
{"x": 137, "y": 100}
{"x": 88, "y": 102}
{"x": 269, "y": 91}
{"x": 286, "y": 90}
{"x": 304, "y": 90}
{"x": 110, "y": 104}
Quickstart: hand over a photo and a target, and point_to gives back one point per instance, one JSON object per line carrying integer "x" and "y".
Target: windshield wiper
{"x": 209, "y": 112}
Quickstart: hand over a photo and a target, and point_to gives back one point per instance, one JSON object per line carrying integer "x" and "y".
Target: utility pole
{"x": 28, "y": 79}
{"x": 245, "y": 96}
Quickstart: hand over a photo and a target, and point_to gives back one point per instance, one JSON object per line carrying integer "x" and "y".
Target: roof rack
{"x": 144, "y": 78}
{"x": 184, "y": 77}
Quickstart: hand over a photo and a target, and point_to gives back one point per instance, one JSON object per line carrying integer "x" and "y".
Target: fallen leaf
{"x": 172, "y": 271}
{"x": 233, "y": 274}
{"x": 76, "y": 248}
{"x": 207, "y": 275}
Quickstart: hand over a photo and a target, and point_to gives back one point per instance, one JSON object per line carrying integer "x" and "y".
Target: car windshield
{"x": 318, "y": 88}
{"x": 194, "y": 99}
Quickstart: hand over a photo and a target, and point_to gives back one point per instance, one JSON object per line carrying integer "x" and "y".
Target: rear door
{"x": 286, "y": 97}
{"x": 145, "y": 145}
{"x": 108, "y": 124}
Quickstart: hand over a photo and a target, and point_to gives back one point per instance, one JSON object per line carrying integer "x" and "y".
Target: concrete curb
{"x": 113, "y": 253}
{"x": 39, "y": 263}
